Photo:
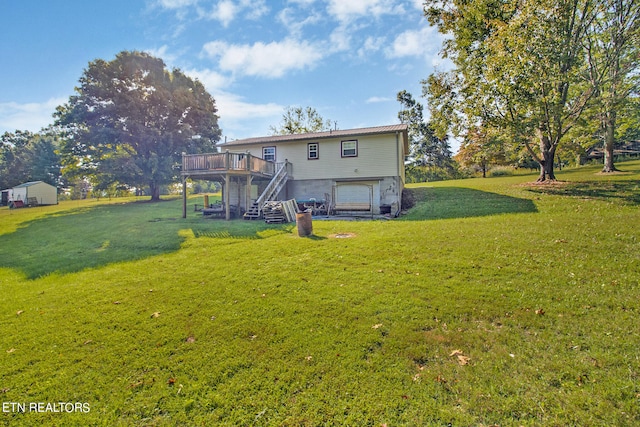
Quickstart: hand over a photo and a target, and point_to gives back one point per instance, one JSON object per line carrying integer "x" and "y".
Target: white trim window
{"x": 269, "y": 153}
{"x": 350, "y": 148}
{"x": 313, "y": 151}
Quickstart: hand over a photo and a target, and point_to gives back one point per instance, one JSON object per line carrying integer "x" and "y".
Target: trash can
{"x": 305, "y": 223}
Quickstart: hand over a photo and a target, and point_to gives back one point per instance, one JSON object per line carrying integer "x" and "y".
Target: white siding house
{"x": 355, "y": 169}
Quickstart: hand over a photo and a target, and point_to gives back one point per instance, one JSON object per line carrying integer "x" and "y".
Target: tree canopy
{"x": 27, "y": 156}
{"x": 297, "y": 120}
{"x": 521, "y": 67}
{"x": 132, "y": 119}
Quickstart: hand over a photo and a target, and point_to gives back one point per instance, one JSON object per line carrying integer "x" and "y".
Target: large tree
{"x": 613, "y": 54}
{"x": 519, "y": 66}
{"x": 132, "y": 119}
{"x": 297, "y": 120}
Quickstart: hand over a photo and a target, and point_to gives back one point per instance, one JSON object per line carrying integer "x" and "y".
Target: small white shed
{"x": 35, "y": 193}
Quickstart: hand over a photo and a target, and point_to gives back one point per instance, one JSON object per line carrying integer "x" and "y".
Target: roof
{"x": 29, "y": 184}
{"x": 339, "y": 133}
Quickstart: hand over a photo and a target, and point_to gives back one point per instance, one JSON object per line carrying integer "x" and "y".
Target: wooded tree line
{"x": 27, "y": 156}
{"x": 126, "y": 127}
{"x": 535, "y": 76}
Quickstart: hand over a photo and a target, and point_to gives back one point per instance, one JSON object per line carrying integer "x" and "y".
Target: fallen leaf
{"x": 156, "y": 314}
{"x": 11, "y": 350}
{"x": 376, "y": 326}
{"x": 309, "y": 357}
{"x": 540, "y": 312}
{"x": 171, "y": 381}
{"x": 463, "y": 360}
{"x": 117, "y": 302}
{"x": 87, "y": 342}
{"x": 19, "y": 312}
{"x": 191, "y": 339}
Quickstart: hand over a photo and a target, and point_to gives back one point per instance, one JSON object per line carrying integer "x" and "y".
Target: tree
{"x": 519, "y": 67}
{"x": 27, "y": 156}
{"x": 613, "y": 52}
{"x": 132, "y": 119}
{"x": 297, "y": 120}
{"x": 425, "y": 148}
{"x": 481, "y": 147}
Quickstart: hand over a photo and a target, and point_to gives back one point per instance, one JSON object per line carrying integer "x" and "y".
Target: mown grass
{"x": 493, "y": 301}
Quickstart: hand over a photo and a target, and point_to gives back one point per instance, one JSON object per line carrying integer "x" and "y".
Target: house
{"x": 351, "y": 171}
{"x": 33, "y": 193}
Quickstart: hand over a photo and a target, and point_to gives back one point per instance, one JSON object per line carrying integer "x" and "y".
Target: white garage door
{"x": 353, "y": 193}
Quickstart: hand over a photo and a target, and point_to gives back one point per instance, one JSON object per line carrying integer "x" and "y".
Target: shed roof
{"x": 30, "y": 183}
{"x": 339, "y": 133}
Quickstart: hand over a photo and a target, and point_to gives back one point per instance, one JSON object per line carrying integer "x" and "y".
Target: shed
{"x": 35, "y": 193}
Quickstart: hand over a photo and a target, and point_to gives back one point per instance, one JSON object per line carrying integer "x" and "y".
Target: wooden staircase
{"x": 276, "y": 184}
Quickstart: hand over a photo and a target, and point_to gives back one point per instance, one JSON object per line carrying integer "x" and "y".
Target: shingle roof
{"x": 339, "y": 133}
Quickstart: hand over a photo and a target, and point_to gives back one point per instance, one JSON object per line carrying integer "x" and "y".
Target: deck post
{"x": 227, "y": 208}
{"x": 184, "y": 197}
{"x": 247, "y": 202}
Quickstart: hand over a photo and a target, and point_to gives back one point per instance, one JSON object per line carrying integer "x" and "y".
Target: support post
{"x": 184, "y": 197}
{"x": 247, "y": 203}
{"x": 227, "y": 192}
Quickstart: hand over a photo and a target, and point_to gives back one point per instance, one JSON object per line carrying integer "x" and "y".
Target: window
{"x": 269, "y": 153}
{"x": 350, "y": 148}
{"x": 313, "y": 151}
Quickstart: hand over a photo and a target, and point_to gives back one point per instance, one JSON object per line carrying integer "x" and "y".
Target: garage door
{"x": 353, "y": 193}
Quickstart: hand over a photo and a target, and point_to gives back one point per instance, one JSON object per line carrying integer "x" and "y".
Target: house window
{"x": 350, "y": 148}
{"x": 269, "y": 153}
{"x": 313, "y": 151}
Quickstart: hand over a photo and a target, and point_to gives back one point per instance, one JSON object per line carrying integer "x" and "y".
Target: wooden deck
{"x": 223, "y": 167}
{"x": 214, "y": 165}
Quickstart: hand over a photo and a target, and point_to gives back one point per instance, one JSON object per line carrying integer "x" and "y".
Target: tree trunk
{"x": 609, "y": 141}
{"x": 546, "y": 163}
{"x": 154, "y": 189}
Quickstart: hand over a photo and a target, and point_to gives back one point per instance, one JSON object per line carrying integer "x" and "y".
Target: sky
{"x": 346, "y": 58}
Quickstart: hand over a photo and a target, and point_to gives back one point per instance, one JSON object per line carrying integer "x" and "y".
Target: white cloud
{"x": 234, "y": 107}
{"x": 377, "y": 99}
{"x": 346, "y": 11}
{"x": 213, "y": 81}
{"x": 176, "y": 4}
{"x": 270, "y": 60}
{"x": 295, "y": 24}
{"x": 226, "y": 11}
{"x": 371, "y": 44}
{"x": 31, "y": 116}
{"x": 424, "y": 42}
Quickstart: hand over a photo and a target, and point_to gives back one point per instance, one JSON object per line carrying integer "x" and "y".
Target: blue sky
{"x": 345, "y": 58}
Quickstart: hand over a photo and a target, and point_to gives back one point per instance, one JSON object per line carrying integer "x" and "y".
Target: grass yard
{"x": 492, "y": 302}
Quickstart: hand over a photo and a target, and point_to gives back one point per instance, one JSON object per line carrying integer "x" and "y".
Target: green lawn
{"x": 492, "y": 302}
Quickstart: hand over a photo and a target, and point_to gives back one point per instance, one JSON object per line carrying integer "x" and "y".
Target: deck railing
{"x": 226, "y": 161}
